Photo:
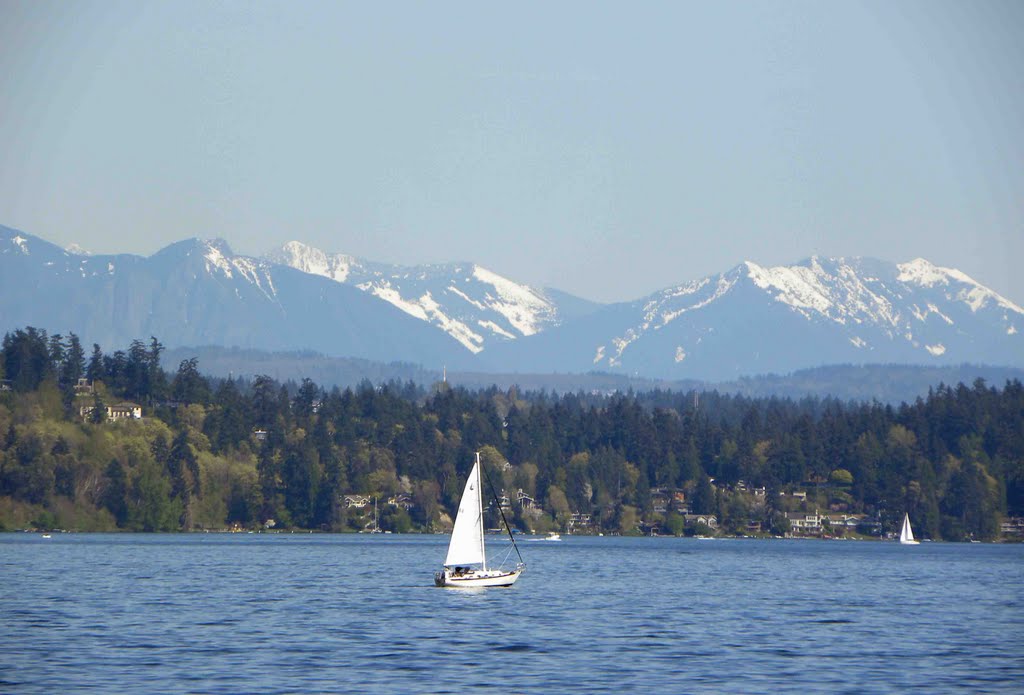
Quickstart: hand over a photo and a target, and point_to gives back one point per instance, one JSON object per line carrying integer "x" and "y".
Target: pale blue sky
{"x": 607, "y": 149}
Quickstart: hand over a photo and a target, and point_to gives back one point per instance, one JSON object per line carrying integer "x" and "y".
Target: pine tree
{"x": 95, "y": 371}
{"x": 74, "y": 362}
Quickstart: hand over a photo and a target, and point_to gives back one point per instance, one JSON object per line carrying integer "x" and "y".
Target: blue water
{"x": 308, "y": 614}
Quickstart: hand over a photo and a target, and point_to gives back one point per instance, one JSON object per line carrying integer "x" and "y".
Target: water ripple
{"x": 334, "y": 614}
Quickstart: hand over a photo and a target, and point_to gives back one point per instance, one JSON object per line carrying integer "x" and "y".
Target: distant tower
{"x": 444, "y": 374}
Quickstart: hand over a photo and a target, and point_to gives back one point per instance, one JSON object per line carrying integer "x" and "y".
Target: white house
{"x": 356, "y": 501}
{"x": 709, "y": 520}
{"x": 802, "y": 522}
{"x": 121, "y": 411}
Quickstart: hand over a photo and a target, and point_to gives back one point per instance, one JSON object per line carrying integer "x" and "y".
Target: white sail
{"x": 467, "y": 543}
{"x": 906, "y": 534}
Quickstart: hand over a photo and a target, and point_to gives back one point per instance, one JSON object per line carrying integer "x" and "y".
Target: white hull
{"x": 476, "y": 578}
{"x": 910, "y": 543}
{"x": 465, "y": 566}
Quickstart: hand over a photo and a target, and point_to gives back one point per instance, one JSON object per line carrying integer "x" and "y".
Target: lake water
{"x": 217, "y": 613}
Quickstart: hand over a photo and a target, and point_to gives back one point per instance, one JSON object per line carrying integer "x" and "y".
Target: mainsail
{"x": 906, "y": 534}
{"x": 467, "y": 543}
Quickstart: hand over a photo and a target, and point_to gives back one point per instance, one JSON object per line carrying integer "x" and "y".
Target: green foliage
{"x": 675, "y": 524}
{"x": 210, "y": 454}
{"x": 151, "y": 507}
{"x": 841, "y": 476}
{"x": 397, "y": 520}
{"x": 779, "y": 524}
{"x": 703, "y": 497}
{"x": 628, "y": 521}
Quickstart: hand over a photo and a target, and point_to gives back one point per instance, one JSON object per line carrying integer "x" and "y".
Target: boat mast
{"x": 480, "y": 500}
{"x": 497, "y": 503}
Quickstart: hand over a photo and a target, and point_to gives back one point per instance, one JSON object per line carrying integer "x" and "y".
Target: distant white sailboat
{"x": 466, "y": 562}
{"x": 906, "y": 533}
{"x": 376, "y": 526}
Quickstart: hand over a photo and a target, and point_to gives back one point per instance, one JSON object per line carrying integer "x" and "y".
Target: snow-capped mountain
{"x": 749, "y": 320}
{"x": 197, "y": 292}
{"x": 472, "y": 304}
{"x": 754, "y": 319}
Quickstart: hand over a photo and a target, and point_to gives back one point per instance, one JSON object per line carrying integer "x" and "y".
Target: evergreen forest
{"x": 217, "y": 454}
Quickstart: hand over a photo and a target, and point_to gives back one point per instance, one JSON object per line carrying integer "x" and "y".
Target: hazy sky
{"x": 607, "y": 149}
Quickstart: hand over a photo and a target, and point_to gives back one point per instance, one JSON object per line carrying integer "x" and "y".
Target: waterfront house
{"x": 1013, "y": 527}
{"x": 709, "y": 520}
{"x": 804, "y": 523}
{"x": 660, "y": 500}
{"x": 401, "y": 500}
{"x": 524, "y": 500}
{"x": 842, "y": 521}
{"x": 358, "y": 501}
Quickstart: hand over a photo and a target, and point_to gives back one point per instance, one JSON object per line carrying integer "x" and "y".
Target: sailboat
{"x": 466, "y": 562}
{"x": 906, "y": 534}
{"x": 376, "y": 527}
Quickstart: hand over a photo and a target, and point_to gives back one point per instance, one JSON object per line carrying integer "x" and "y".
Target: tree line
{"x": 212, "y": 453}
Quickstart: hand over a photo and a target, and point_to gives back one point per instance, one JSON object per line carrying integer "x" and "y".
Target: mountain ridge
{"x": 752, "y": 319}
{"x": 473, "y": 304}
{"x": 196, "y": 292}
{"x": 748, "y": 320}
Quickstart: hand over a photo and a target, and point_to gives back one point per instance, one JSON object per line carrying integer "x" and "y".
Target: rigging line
{"x": 501, "y": 511}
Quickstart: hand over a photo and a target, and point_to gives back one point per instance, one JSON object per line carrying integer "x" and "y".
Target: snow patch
{"x": 976, "y": 296}
{"x": 935, "y": 310}
{"x": 936, "y": 350}
{"x": 459, "y": 293}
{"x": 19, "y": 241}
{"x": 799, "y": 287}
{"x": 216, "y": 259}
{"x": 426, "y": 308}
{"x": 391, "y": 296}
{"x": 858, "y": 342}
{"x": 680, "y": 354}
{"x": 456, "y": 329}
{"x": 839, "y": 295}
{"x": 312, "y": 260}
{"x": 1012, "y": 330}
{"x": 251, "y": 272}
{"x": 723, "y": 286}
{"x": 621, "y": 343}
{"x": 921, "y": 272}
{"x": 495, "y": 328}
{"x": 600, "y": 354}
{"x": 520, "y": 305}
